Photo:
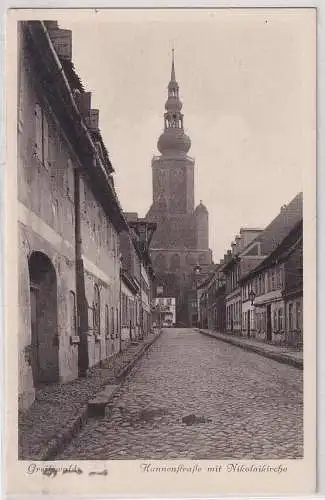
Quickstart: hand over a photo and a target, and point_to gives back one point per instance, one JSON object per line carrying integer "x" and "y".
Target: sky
{"x": 246, "y": 81}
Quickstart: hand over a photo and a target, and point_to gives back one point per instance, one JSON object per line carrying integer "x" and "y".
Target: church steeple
{"x": 173, "y": 140}
{"x": 172, "y": 76}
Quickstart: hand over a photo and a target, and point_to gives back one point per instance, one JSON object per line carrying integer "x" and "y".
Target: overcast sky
{"x": 245, "y": 80}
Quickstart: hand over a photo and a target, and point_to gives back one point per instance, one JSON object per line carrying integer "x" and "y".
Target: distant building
{"x": 164, "y": 311}
{"x": 211, "y": 298}
{"x": 69, "y": 219}
{"x": 181, "y": 241}
{"x": 240, "y": 261}
{"x": 269, "y": 263}
{"x": 274, "y": 312}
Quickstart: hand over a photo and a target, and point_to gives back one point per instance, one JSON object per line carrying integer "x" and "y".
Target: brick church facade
{"x": 180, "y": 246}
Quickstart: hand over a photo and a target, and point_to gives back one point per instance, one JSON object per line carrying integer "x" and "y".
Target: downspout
{"x": 82, "y": 307}
{"x": 120, "y": 312}
{"x": 77, "y": 111}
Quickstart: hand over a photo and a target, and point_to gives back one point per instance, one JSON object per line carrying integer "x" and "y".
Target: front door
{"x": 268, "y": 324}
{"x": 34, "y": 331}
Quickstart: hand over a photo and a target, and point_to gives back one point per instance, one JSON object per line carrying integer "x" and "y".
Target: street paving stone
{"x": 239, "y": 405}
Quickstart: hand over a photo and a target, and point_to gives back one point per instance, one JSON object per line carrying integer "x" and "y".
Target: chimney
{"x": 233, "y": 248}
{"x": 238, "y": 241}
{"x": 85, "y": 104}
{"x": 228, "y": 256}
{"x": 93, "y": 119}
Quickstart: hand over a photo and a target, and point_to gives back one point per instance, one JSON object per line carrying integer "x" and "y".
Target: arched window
{"x": 159, "y": 262}
{"x": 96, "y": 310}
{"x": 175, "y": 262}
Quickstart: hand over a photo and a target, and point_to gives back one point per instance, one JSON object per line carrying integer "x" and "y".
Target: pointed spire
{"x": 173, "y": 77}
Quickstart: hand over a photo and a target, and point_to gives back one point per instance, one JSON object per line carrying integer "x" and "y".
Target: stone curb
{"x": 126, "y": 370}
{"x": 280, "y": 357}
{"x": 55, "y": 445}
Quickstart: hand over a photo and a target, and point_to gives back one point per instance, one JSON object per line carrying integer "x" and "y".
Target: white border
{"x": 320, "y": 152}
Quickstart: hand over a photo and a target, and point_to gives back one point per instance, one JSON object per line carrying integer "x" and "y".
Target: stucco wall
{"x": 46, "y": 225}
{"x": 100, "y": 249}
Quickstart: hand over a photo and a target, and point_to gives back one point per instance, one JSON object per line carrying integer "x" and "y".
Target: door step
{"x": 98, "y": 404}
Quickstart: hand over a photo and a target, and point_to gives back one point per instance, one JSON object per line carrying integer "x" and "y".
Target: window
{"x": 260, "y": 292}
{"x": 290, "y": 316}
{"x": 117, "y": 324}
{"x": 106, "y": 321}
{"x": 275, "y": 325}
{"x": 280, "y": 318}
{"x": 299, "y": 316}
{"x": 273, "y": 279}
{"x": 41, "y": 136}
{"x": 112, "y": 323}
{"x": 279, "y": 278}
{"x": 175, "y": 262}
{"x": 96, "y": 311}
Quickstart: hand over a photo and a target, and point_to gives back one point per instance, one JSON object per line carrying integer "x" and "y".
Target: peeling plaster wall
{"x": 46, "y": 224}
{"x": 101, "y": 257}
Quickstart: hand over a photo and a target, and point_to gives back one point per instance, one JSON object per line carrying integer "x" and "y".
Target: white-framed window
{"x": 41, "y": 136}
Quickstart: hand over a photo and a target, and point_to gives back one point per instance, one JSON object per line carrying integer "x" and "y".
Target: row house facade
{"x": 272, "y": 294}
{"x": 211, "y": 294}
{"x": 244, "y": 255}
{"x": 137, "y": 279}
{"x": 69, "y": 219}
{"x": 241, "y": 272}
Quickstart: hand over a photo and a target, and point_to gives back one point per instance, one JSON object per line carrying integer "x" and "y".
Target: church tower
{"x": 180, "y": 242}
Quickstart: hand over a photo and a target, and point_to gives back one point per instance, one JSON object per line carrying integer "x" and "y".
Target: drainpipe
{"x": 82, "y": 307}
{"x": 120, "y": 312}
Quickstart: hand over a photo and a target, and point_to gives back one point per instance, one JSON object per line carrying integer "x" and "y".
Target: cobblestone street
{"x": 194, "y": 397}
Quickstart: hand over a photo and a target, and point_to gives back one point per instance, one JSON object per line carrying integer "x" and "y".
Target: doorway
{"x": 268, "y": 323}
{"x": 43, "y": 314}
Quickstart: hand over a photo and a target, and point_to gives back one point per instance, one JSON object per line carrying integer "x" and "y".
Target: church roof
{"x": 173, "y": 140}
{"x": 201, "y": 208}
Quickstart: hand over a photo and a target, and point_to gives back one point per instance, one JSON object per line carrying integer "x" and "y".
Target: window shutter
{"x": 38, "y": 132}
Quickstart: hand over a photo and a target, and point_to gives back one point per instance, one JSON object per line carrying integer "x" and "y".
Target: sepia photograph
{"x": 162, "y": 161}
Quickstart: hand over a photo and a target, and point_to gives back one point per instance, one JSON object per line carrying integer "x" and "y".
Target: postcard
{"x": 160, "y": 251}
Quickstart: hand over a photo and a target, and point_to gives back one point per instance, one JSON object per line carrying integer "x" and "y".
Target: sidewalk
{"x": 60, "y": 410}
{"x": 290, "y": 356}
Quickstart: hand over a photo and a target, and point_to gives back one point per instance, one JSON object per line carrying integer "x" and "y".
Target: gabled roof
{"x": 281, "y": 226}
{"x": 274, "y": 233}
{"x": 281, "y": 252}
